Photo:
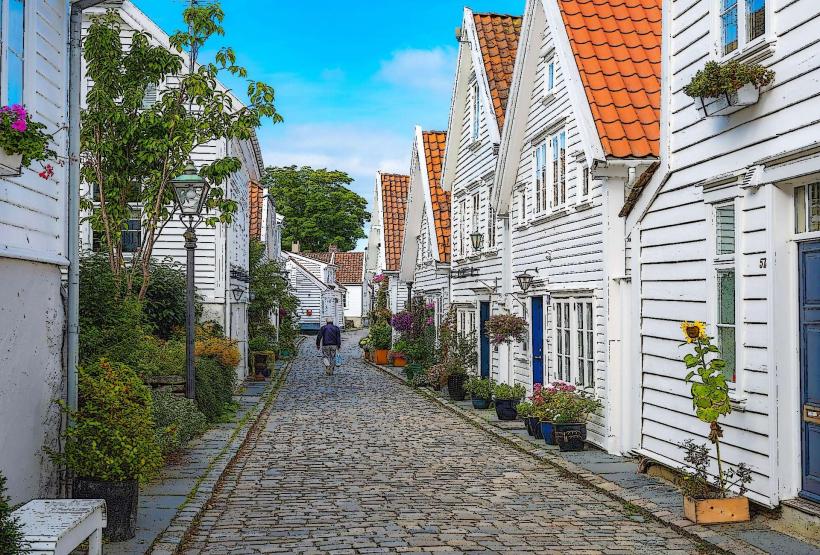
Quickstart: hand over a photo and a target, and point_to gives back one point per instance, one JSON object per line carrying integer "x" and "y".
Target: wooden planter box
{"x": 716, "y": 511}
{"x": 728, "y": 103}
{"x": 380, "y": 356}
{"x": 11, "y": 165}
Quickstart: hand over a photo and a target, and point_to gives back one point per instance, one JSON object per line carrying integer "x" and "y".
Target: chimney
{"x": 333, "y": 248}
{"x": 295, "y": 247}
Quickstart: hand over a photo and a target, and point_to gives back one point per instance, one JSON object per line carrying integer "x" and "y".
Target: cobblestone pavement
{"x": 358, "y": 463}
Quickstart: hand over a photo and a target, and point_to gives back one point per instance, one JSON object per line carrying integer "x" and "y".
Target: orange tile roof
{"x": 394, "y": 206}
{"x": 434, "y": 144}
{"x": 256, "y": 198}
{"x": 498, "y": 39}
{"x": 617, "y": 47}
{"x": 349, "y": 265}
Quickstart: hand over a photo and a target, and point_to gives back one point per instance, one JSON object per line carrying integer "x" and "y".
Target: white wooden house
{"x": 221, "y": 264}
{"x": 582, "y": 120}
{"x": 384, "y": 248}
{"x": 487, "y": 50}
{"x": 728, "y": 232}
{"x": 425, "y": 254}
{"x": 313, "y": 281}
{"x": 33, "y": 251}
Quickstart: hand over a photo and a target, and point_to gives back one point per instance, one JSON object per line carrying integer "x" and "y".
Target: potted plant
{"x": 22, "y": 141}
{"x": 381, "y": 337}
{"x": 524, "y": 409}
{"x": 704, "y": 503}
{"x": 506, "y": 398}
{"x": 262, "y": 357}
{"x": 113, "y": 445}
{"x": 398, "y": 355}
{"x": 481, "y": 391}
{"x": 504, "y": 328}
{"x": 569, "y": 413}
{"x": 456, "y": 378}
{"x": 721, "y": 89}
{"x": 437, "y": 376}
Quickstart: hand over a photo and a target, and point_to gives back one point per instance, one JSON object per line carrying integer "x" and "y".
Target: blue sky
{"x": 351, "y": 78}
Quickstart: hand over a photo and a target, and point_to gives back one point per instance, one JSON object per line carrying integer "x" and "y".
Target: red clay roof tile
{"x": 255, "y": 192}
{"x": 617, "y": 48}
{"x": 394, "y": 206}
{"x": 434, "y": 144}
{"x": 498, "y": 40}
{"x": 349, "y": 265}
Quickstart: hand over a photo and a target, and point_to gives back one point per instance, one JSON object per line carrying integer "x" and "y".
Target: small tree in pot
{"x": 506, "y": 398}
{"x": 481, "y": 391}
{"x": 113, "y": 446}
{"x": 703, "y": 502}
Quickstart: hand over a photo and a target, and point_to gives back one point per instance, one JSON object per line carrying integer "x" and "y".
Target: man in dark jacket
{"x": 328, "y": 340}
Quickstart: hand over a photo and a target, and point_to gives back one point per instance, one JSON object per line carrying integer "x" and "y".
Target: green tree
{"x": 11, "y": 537}
{"x": 132, "y": 149}
{"x": 318, "y": 207}
{"x": 270, "y": 292}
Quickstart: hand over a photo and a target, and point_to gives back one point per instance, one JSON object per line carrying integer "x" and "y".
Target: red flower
{"x": 48, "y": 171}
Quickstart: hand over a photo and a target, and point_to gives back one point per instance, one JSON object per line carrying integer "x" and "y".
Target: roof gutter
{"x": 74, "y": 95}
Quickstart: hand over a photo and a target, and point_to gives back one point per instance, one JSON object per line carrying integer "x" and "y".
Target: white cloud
{"x": 420, "y": 69}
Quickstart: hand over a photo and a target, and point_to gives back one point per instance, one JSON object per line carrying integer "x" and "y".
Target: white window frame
{"x": 492, "y": 227}
{"x": 572, "y": 374}
{"x": 722, "y": 263}
{"x": 803, "y": 190}
{"x": 743, "y": 42}
{"x": 462, "y": 209}
{"x": 475, "y": 218}
{"x": 4, "y": 52}
{"x": 541, "y": 190}
{"x": 583, "y": 179}
{"x": 557, "y": 189}
{"x": 475, "y": 112}
{"x": 550, "y": 75}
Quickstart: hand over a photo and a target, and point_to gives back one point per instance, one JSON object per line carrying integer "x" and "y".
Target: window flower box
{"x": 22, "y": 141}
{"x": 728, "y": 103}
{"x": 11, "y": 165}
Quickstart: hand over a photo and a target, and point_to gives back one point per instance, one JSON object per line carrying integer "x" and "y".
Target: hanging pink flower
{"x": 47, "y": 172}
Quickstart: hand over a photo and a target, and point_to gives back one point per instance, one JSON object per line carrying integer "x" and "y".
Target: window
{"x": 491, "y": 227}
{"x": 475, "y": 111}
{"x": 131, "y": 235}
{"x": 562, "y": 340}
{"x": 725, "y": 247}
{"x": 586, "y": 342}
{"x": 807, "y": 208}
{"x": 522, "y": 207}
{"x": 344, "y": 300}
{"x": 13, "y": 60}
{"x": 150, "y": 97}
{"x": 462, "y": 326}
{"x": 474, "y": 217}
{"x": 559, "y": 168}
{"x": 540, "y": 177}
{"x": 472, "y": 323}
{"x": 549, "y": 77}
{"x": 741, "y": 22}
{"x": 462, "y": 239}
{"x": 584, "y": 186}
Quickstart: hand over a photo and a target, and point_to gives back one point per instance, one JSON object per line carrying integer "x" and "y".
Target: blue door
{"x": 810, "y": 366}
{"x": 484, "y": 315}
{"x": 537, "y": 325}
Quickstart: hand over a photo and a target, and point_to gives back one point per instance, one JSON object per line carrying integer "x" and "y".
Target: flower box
{"x": 716, "y": 511}
{"x": 11, "y": 165}
{"x": 723, "y": 105}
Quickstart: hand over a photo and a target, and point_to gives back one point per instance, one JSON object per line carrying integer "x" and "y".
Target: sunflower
{"x": 693, "y": 330}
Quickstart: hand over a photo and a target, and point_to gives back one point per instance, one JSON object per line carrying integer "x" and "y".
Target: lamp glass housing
{"x": 190, "y": 191}
{"x": 477, "y": 239}
{"x": 524, "y": 281}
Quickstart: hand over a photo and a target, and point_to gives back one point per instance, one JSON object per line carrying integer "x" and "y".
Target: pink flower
{"x": 430, "y": 306}
{"x": 429, "y": 321}
{"x": 19, "y": 125}
{"x": 47, "y": 172}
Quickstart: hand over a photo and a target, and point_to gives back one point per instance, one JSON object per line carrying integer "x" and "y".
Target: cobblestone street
{"x": 359, "y": 463}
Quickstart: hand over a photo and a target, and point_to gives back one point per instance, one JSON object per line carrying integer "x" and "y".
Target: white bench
{"x": 58, "y": 526}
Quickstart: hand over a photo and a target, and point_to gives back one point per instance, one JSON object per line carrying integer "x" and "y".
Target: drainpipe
{"x": 74, "y": 84}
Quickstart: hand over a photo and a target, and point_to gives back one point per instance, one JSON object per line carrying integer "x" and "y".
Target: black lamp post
{"x": 190, "y": 192}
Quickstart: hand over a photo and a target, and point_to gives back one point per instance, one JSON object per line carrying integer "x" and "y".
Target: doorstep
{"x": 618, "y": 478}
{"x": 169, "y": 505}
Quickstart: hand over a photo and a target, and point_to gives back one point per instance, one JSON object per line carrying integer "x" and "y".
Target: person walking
{"x": 328, "y": 341}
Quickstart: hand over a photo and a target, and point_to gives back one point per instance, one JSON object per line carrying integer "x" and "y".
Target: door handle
{"x": 811, "y": 414}
{"x": 537, "y": 357}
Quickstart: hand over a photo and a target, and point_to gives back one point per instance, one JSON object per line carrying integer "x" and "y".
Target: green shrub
{"x": 177, "y": 420}
{"x": 164, "y": 304}
{"x": 11, "y": 537}
{"x": 259, "y": 344}
{"x": 381, "y": 335}
{"x": 569, "y": 407}
{"x": 524, "y": 409}
{"x": 114, "y": 437}
{"x": 214, "y": 388}
{"x": 506, "y": 392}
{"x": 480, "y": 388}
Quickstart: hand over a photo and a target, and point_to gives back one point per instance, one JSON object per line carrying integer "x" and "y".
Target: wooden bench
{"x": 58, "y": 526}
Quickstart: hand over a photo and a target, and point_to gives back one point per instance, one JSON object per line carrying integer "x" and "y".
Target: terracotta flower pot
{"x": 716, "y": 511}
{"x": 399, "y": 361}
{"x": 380, "y": 356}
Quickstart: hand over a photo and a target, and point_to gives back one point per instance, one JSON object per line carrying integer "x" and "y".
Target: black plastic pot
{"x": 533, "y": 426}
{"x": 570, "y": 437}
{"x": 455, "y": 387}
{"x": 121, "y": 499}
{"x": 528, "y": 425}
{"x": 505, "y": 409}
{"x": 481, "y": 404}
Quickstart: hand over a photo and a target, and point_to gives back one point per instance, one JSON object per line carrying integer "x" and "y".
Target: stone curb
{"x": 169, "y": 541}
{"x": 700, "y": 534}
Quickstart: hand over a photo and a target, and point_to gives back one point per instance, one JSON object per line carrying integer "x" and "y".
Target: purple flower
{"x": 429, "y": 321}
{"x": 430, "y": 306}
{"x": 19, "y": 125}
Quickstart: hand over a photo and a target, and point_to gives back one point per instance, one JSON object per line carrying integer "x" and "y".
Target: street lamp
{"x": 478, "y": 240}
{"x": 190, "y": 192}
{"x": 525, "y": 280}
